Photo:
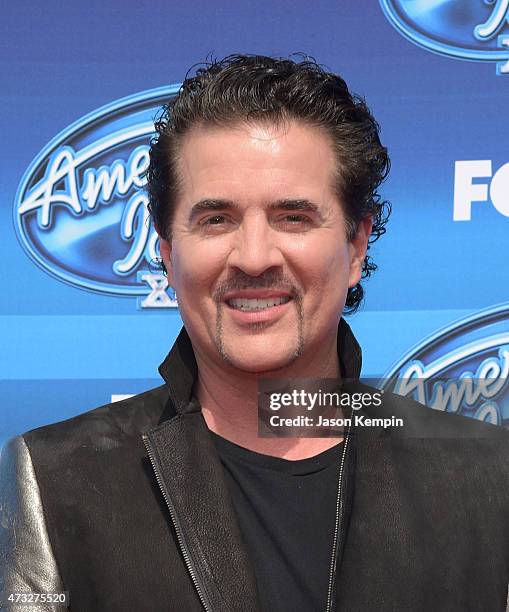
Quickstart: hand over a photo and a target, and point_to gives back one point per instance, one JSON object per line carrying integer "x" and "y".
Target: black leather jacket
{"x": 126, "y": 507}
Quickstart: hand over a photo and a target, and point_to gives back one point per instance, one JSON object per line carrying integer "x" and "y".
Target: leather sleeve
{"x": 27, "y": 563}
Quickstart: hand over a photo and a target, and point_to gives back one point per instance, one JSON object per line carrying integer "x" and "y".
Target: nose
{"x": 255, "y": 246}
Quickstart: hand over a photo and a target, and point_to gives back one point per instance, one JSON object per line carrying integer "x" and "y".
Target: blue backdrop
{"x": 71, "y": 340}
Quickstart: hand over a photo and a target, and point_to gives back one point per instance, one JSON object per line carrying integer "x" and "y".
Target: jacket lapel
{"x": 191, "y": 479}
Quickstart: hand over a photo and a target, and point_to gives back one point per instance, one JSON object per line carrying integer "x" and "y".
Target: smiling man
{"x": 263, "y": 184}
{"x": 259, "y": 254}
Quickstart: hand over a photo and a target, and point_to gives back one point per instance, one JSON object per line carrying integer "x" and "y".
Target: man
{"x": 263, "y": 188}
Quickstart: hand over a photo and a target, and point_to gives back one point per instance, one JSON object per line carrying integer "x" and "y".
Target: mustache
{"x": 271, "y": 279}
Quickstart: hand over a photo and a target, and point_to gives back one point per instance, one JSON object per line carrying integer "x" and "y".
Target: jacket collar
{"x": 179, "y": 369}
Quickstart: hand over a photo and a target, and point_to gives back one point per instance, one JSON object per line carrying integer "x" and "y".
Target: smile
{"x": 257, "y": 303}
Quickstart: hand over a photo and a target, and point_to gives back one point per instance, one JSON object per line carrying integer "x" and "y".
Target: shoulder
{"x": 86, "y": 453}
{"x": 433, "y": 450}
{"x": 100, "y": 429}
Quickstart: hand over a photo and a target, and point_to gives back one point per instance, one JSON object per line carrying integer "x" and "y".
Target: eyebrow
{"x": 208, "y": 205}
{"x": 296, "y": 204}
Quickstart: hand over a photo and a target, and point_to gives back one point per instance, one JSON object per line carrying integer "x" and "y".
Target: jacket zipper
{"x": 337, "y": 527}
{"x": 176, "y": 525}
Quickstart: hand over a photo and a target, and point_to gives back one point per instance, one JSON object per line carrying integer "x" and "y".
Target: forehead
{"x": 256, "y": 161}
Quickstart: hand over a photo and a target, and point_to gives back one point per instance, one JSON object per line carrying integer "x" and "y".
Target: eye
{"x": 216, "y": 224}
{"x": 297, "y": 218}
{"x": 295, "y": 222}
{"x": 215, "y": 220}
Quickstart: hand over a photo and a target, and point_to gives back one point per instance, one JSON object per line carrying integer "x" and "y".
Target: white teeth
{"x": 256, "y": 304}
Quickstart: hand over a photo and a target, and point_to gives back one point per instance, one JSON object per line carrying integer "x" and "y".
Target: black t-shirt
{"x": 286, "y": 512}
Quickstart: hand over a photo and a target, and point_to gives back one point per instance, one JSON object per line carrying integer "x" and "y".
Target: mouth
{"x": 257, "y": 304}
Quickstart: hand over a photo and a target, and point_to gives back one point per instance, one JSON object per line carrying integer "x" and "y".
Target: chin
{"x": 261, "y": 366}
{"x": 258, "y": 359}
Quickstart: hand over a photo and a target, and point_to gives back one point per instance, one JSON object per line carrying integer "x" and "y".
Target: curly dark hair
{"x": 259, "y": 88}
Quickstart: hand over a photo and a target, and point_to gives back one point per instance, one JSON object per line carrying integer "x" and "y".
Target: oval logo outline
{"x": 426, "y": 41}
{"x": 474, "y": 338}
{"x": 158, "y": 96}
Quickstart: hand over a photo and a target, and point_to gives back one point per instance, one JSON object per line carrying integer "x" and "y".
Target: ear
{"x": 165, "y": 250}
{"x": 357, "y": 248}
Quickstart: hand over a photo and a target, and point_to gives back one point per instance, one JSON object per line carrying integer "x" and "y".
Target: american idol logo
{"x": 465, "y": 29}
{"x": 81, "y": 210}
{"x": 462, "y": 369}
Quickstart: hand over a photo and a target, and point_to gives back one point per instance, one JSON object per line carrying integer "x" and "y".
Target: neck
{"x": 229, "y": 401}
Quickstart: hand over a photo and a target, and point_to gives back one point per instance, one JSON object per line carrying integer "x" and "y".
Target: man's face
{"x": 258, "y": 254}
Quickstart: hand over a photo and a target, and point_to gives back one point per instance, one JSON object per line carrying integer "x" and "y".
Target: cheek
{"x": 322, "y": 264}
{"x": 197, "y": 266}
